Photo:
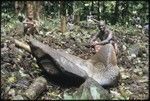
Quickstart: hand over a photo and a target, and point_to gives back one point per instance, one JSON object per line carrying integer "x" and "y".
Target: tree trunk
{"x": 38, "y": 8}
{"x": 103, "y": 10}
{"x": 98, "y": 14}
{"x": 145, "y": 12}
{"x": 34, "y": 9}
{"x": 19, "y": 6}
{"x": 63, "y": 16}
{"x": 63, "y": 23}
{"x": 16, "y": 7}
{"x": 70, "y": 8}
{"x": 77, "y": 18}
{"x": 116, "y": 13}
{"x": 125, "y": 12}
{"x": 92, "y": 6}
{"x": 30, "y": 8}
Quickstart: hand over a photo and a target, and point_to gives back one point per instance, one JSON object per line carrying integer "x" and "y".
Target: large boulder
{"x": 89, "y": 90}
{"x": 102, "y": 67}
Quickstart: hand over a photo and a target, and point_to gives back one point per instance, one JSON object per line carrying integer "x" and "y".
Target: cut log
{"x": 22, "y": 45}
{"x": 36, "y": 88}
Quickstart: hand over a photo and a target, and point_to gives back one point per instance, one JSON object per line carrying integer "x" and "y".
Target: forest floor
{"x": 19, "y": 68}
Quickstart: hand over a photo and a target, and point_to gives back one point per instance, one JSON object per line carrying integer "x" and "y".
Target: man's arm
{"x": 106, "y": 41}
{"x": 28, "y": 23}
{"x": 95, "y": 20}
{"x": 94, "y": 38}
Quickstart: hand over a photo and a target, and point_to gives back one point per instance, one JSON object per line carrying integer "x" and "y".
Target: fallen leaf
{"x": 11, "y": 79}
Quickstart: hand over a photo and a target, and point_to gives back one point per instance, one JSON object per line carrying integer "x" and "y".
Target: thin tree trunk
{"x": 63, "y": 23}
{"x": 70, "y": 8}
{"x": 39, "y": 9}
{"x": 16, "y": 7}
{"x": 34, "y": 9}
{"x": 146, "y": 12}
{"x": 103, "y": 10}
{"x": 30, "y": 8}
{"x": 19, "y": 6}
{"x": 116, "y": 13}
{"x": 92, "y": 6}
{"x": 125, "y": 11}
{"x": 77, "y": 18}
{"x": 98, "y": 4}
{"x": 63, "y": 15}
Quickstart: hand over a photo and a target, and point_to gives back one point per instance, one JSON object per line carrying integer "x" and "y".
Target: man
{"x": 137, "y": 21}
{"x": 89, "y": 19}
{"x": 70, "y": 24}
{"x": 30, "y": 26}
{"x": 145, "y": 29}
{"x": 21, "y": 17}
{"x": 105, "y": 36}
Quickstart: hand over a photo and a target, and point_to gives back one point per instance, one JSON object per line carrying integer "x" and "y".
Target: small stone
{"x": 140, "y": 73}
{"x": 12, "y": 79}
{"x": 22, "y": 73}
{"x": 144, "y": 55}
{"x": 133, "y": 55}
{"x": 11, "y": 92}
{"x": 18, "y": 97}
{"x": 7, "y": 89}
{"x": 138, "y": 60}
{"x": 124, "y": 47}
{"x": 122, "y": 84}
{"x": 145, "y": 70}
{"x": 41, "y": 33}
{"x": 68, "y": 50}
{"x": 129, "y": 57}
{"x": 115, "y": 93}
{"x": 125, "y": 76}
{"x": 136, "y": 70}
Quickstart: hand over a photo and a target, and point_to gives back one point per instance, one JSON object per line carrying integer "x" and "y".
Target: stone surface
{"x": 89, "y": 90}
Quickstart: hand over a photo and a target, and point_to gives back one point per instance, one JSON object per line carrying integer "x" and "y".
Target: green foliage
{"x": 7, "y": 6}
{"x": 9, "y": 21}
{"x": 5, "y": 17}
{"x": 124, "y": 30}
{"x": 50, "y": 24}
{"x": 126, "y": 11}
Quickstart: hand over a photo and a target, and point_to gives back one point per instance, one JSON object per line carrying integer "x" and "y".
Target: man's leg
{"x": 115, "y": 46}
{"x": 97, "y": 47}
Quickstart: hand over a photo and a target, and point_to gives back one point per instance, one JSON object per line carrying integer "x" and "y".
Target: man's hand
{"x": 94, "y": 43}
{"x": 97, "y": 48}
{"x": 28, "y": 23}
